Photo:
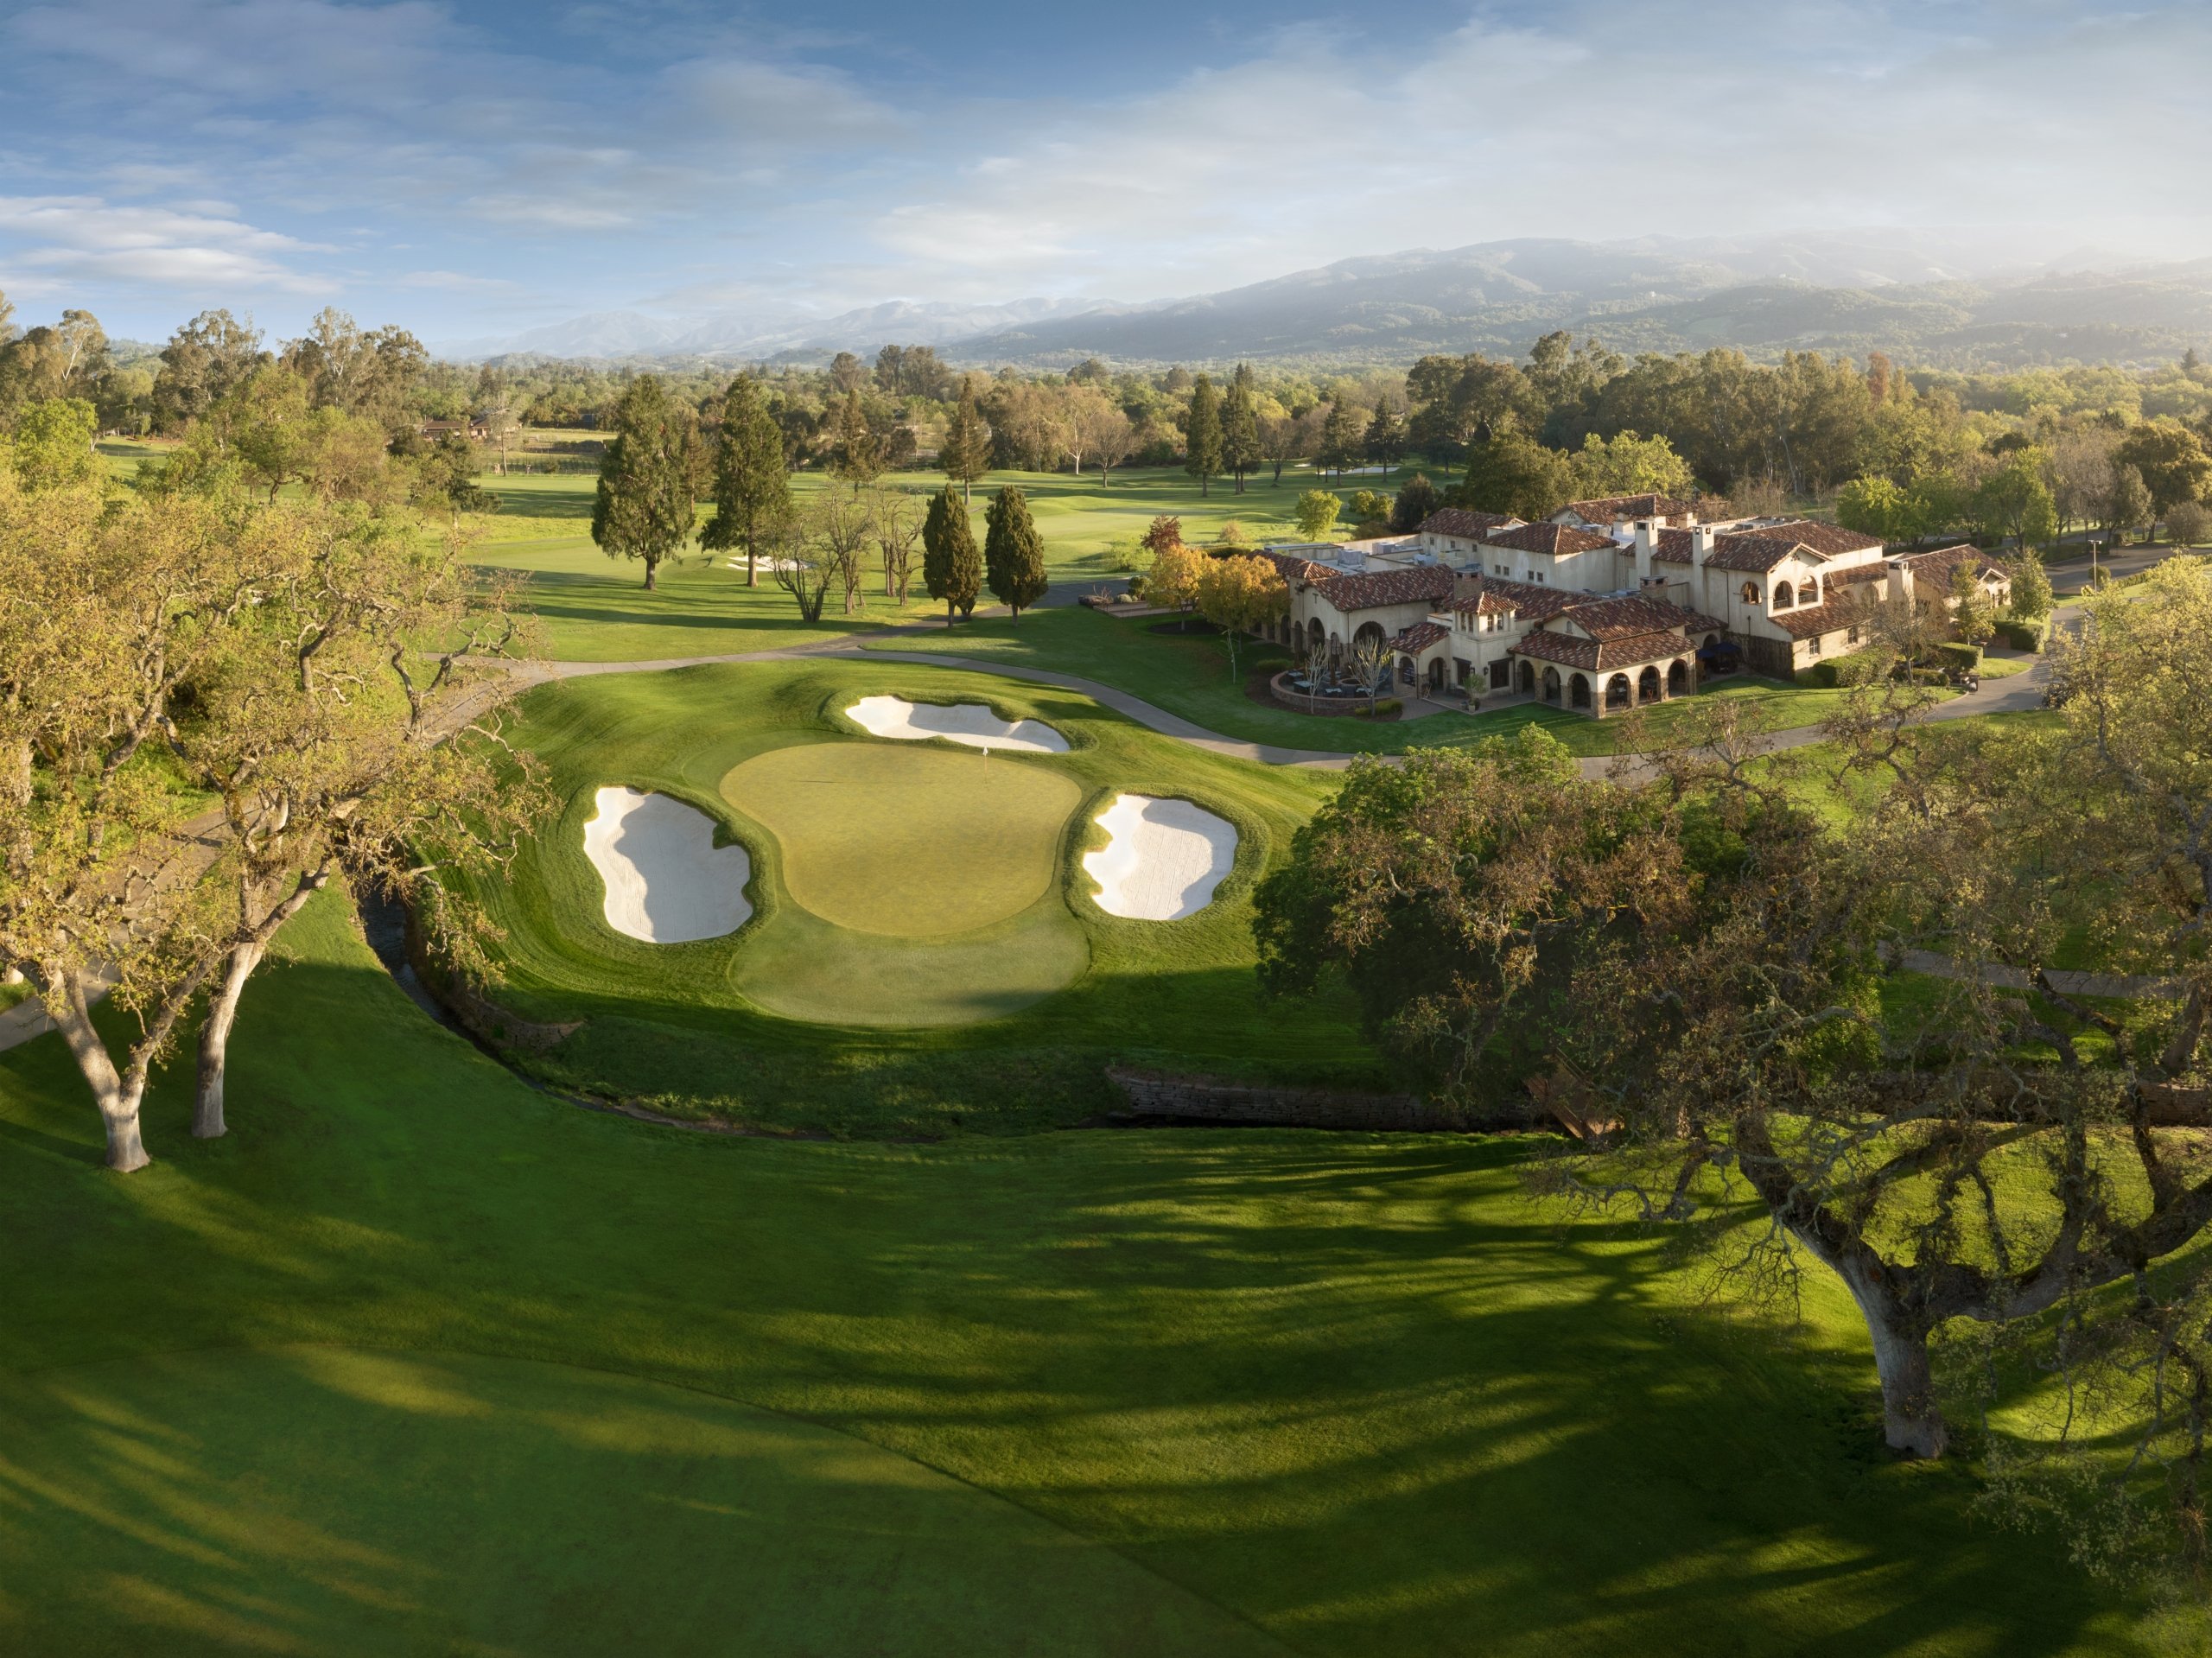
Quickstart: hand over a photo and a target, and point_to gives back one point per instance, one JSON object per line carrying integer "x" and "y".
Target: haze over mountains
{"x": 1957, "y": 300}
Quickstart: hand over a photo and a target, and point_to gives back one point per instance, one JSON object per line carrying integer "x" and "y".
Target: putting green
{"x": 324, "y": 1500}
{"x": 908, "y": 842}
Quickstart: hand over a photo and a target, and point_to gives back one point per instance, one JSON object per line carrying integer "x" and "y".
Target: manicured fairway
{"x": 419, "y": 1360}
{"x": 916, "y": 843}
{"x": 926, "y": 954}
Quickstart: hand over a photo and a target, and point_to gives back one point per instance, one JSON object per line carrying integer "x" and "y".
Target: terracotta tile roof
{"x": 1548, "y": 539}
{"x": 1527, "y": 600}
{"x": 1672, "y": 546}
{"x": 1808, "y": 620}
{"x": 1296, "y": 568}
{"x": 1611, "y": 508}
{"x": 1462, "y": 521}
{"x": 1373, "y": 589}
{"x": 1601, "y": 655}
{"x": 1756, "y": 551}
{"x": 1936, "y": 568}
{"x": 1823, "y": 538}
{"x": 1852, "y": 575}
{"x": 1636, "y": 614}
{"x": 1417, "y": 637}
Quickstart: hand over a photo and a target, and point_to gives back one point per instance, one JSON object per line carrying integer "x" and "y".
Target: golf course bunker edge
{"x": 666, "y": 881}
{"x": 971, "y": 723}
{"x": 1163, "y": 861}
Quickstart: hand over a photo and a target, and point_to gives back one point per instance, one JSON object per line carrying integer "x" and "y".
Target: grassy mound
{"x": 915, "y": 842}
{"x": 364, "y": 1501}
{"x": 851, "y": 1004}
{"x": 1353, "y": 1392}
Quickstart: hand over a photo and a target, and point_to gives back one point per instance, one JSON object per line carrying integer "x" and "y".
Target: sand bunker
{"x": 1165, "y": 858}
{"x": 667, "y": 882}
{"x": 962, "y": 722}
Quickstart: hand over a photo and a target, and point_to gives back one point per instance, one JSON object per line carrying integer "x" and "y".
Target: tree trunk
{"x": 652, "y": 570}
{"x": 1911, "y": 1424}
{"x": 215, "y": 1040}
{"x": 752, "y": 569}
{"x": 71, "y": 1010}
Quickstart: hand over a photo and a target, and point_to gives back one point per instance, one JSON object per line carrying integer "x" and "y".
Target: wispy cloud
{"x": 631, "y": 148}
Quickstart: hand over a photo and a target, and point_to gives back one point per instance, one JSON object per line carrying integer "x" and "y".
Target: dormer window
{"x": 1785, "y": 596}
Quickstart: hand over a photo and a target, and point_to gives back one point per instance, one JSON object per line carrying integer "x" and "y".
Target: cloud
{"x": 87, "y": 237}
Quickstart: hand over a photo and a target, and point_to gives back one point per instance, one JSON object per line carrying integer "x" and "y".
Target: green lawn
{"x": 418, "y": 1360}
{"x": 845, "y": 1005}
{"x": 1188, "y": 674}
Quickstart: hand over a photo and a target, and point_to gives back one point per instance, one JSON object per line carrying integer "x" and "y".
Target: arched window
{"x": 1810, "y": 592}
{"x": 1751, "y": 594}
{"x": 1784, "y": 595}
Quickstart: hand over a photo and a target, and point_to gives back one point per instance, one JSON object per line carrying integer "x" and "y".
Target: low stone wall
{"x": 1326, "y": 707}
{"x": 1165, "y": 1096}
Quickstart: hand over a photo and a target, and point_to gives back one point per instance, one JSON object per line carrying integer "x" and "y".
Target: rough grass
{"x": 695, "y": 1028}
{"x": 419, "y": 1360}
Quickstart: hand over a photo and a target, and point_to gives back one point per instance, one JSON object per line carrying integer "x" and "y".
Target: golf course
{"x": 420, "y": 1358}
{"x": 926, "y": 943}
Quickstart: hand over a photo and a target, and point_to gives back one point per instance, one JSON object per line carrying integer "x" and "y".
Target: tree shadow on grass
{"x": 1352, "y": 1387}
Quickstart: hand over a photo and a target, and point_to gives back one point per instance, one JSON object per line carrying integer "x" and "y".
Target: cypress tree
{"x": 966, "y": 455}
{"x": 1240, "y": 426}
{"x": 1013, "y": 553}
{"x": 951, "y": 567}
{"x": 644, "y": 508}
{"x": 752, "y": 490}
{"x": 1201, "y": 434}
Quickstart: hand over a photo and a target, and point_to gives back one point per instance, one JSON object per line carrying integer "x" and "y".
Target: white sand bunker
{"x": 962, "y": 722}
{"x": 667, "y": 882}
{"x": 1165, "y": 859}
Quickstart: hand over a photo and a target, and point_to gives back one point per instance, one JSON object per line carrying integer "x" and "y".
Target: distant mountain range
{"x": 1946, "y": 301}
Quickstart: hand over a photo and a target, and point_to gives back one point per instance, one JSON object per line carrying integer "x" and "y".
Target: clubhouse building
{"x": 1609, "y": 604}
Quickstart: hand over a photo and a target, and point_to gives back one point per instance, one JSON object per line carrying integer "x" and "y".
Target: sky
{"x": 470, "y": 171}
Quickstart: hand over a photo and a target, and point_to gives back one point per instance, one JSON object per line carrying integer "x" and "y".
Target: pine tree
{"x": 1013, "y": 553}
{"x": 1240, "y": 426}
{"x": 856, "y": 455}
{"x": 752, "y": 488}
{"x": 1339, "y": 439}
{"x": 966, "y": 455}
{"x": 644, "y": 508}
{"x": 1201, "y": 434}
{"x": 951, "y": 567}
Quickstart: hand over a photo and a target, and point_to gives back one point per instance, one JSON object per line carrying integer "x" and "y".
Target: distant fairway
{"x": 914, "y": 842}
{"x": 318, "y": 1499}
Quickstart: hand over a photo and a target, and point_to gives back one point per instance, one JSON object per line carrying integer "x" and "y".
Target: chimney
{"x": 1646, "y": 544}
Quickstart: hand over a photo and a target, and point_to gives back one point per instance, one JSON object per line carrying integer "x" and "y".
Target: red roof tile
{"x": 1525, "y": 598}
{"x": 1417, "y": 637}
{"x": 1463, "y": 520}
{"x": 1552, "y": 538}
{"x": 1374, "y": 589}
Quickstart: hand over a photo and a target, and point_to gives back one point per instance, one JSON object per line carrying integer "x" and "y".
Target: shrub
{"x": 2024, "y": 636}
{"x": 1959, "y": 658}
{"x": 2188, "y": 525}
{"x": 1388, "y": 706}
{"x": 1854, "y": 669}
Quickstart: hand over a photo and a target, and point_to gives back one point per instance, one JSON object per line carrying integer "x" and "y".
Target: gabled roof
{"x": 1634, "y": 615}
{"x": 1936, "y": 568}
{"x": 1552, "y": 538}
{"x": 1417, "y": 637}
{"x": 1808, "y": 620}
{"x": 1612, "y": 509}
{"x": 1524, "y": 598}
{"x": 1374, "y": 589}
{"x": 1464, "y": 521}
{"x": 1766, "y": 546}
{"x": 1827, "y": 539}
{"x": 1296, "y": 568}
{"x": 1600, "y": 656}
